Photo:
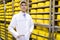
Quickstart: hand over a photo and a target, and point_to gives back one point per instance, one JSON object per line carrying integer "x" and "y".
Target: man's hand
{"x": 19, "y": 36}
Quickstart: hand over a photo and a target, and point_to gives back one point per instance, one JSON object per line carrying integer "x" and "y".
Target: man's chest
{"x": 22, "y": 19}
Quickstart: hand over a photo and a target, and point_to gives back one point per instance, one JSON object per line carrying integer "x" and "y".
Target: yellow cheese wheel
{"x": 58, "y": 9}
{"x": 58, "y": 36}
{"x": 58, "y": 17}
{"x": 33, "y": 16}
{"x": 58, "y": 23}
{"x": 38, "y": 27}
{"x": 34, "y": 5}
{"x": 33, "y": 36}
{"x": 34, "y": 0}
{"x": 46, "y": 16}
{"x": 40, "y": 38}
{"x": 40, "y": 21}
{"x": 58, "y": 2}
{"x": 33, "y": 11}
{"x": 17, "y": 0}
{"x": 47, "y": 3}
{"x": 41, "y": 4}
{"x": 40, "y": 10}
{"x": 46, "y": 22}
{"x": 41, "y": 32}
{"x": 47, "y": 9}
{"x": 16, "y": 4}
{"x": 39, "y": 16}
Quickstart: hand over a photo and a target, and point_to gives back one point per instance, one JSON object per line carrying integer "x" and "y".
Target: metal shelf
{"x": 57, "y": 20}
{"x": 2, "y": 15}
{"x": 47, "y": 26}
{"x": 1, "y": 9}
{"x": 7, "y": 22}
{"x": 1, "y": 20}
{"x": 1, "y": 25}
{"x": 41, "y": 13}
{"x": 36, "y": 2}
{"x": 57, "y": 28}
{"x": 9, "y": 14}
{"x": 44, "y": 25}
{"x": 10, "y": 37}
{"x": 57, "y": 12}
{"x": 9, "y": 5}
{"x": 3, "y": 33}
{"x": 8, "y": 8}
{"x": 16, "y": 10}
{"x": 57, "y": 6}
{"x": 40, "y": 35}
{"x": 41, "y": 18}
{"x": 56, "y": 0}
{"x": 16, "y": 6}
{"x": 40, "y": 7}
{"x": 1, "y": 12}
{"x": 16, "y": 2}
{"x": 8, "y": 11}
{"x": 8, "y": 18}
{"x": 2, "y": 30}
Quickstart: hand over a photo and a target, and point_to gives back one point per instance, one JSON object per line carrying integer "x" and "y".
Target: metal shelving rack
{"x": 6, "y": 31}
{"x": 50, "y": 13}
{"x": 5, "y": 22}
{"x": 53, "y": 23}
{"x": 5, "y": 19}
{"x": 55, "y": 28}
{"x": 0, "y": 24}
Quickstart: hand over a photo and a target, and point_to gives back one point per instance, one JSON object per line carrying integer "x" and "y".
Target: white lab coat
{"x": 23, "y": 25}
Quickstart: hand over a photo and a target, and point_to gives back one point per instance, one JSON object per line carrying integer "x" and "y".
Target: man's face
{"x": 23, "y": 7}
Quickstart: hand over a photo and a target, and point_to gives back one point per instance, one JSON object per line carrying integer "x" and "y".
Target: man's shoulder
{"x": 15, "y": 15}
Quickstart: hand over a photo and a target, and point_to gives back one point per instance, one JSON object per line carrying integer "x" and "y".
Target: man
{"x": 23, "y": 24}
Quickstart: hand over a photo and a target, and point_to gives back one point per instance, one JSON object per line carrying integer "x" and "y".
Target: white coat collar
{"x": 22, "y": 13}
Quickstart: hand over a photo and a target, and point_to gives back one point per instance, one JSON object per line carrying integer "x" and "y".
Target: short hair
{"x": 23, "y": 2}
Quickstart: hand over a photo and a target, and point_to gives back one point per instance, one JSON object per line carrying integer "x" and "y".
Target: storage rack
{"x": 8, "y": 36}
{"x": 5, "y": 19}
{"x": 2, "y": 22}
{"x": 7, "y": 11}
{"x": 39, "y": 13}
{"x": 55, "y": 20}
